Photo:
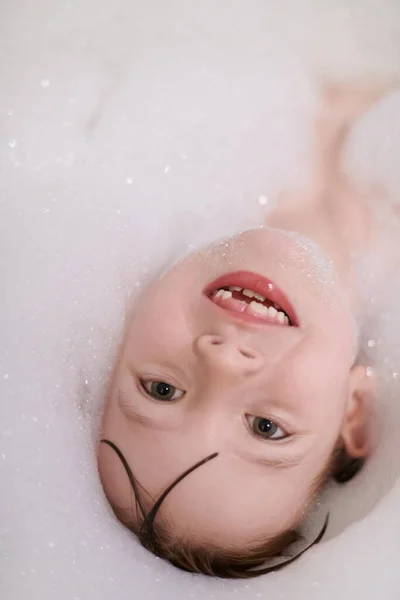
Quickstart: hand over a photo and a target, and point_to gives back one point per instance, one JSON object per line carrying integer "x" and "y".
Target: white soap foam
{"x": 130, "y": 133}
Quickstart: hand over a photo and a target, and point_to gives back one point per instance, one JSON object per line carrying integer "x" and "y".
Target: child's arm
{"x": 330, "y": 209}
{"x": 341, "y": 106}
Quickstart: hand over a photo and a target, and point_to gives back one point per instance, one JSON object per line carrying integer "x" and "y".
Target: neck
{"x": 340, "y": 226}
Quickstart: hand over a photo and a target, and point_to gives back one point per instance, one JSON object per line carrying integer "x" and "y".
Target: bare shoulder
{"x": 343, "y": 103}
{"x": 340, "y": 106}
{"x": 330, "y": 201}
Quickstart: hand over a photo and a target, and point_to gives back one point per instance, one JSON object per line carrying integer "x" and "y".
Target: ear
{"x": 355, "y": 425}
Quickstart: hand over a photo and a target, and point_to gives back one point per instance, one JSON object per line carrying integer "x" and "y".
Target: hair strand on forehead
{"x": 206, "y": 559}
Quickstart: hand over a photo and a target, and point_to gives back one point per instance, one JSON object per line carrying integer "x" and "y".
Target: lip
{"x": 260, "y": 285}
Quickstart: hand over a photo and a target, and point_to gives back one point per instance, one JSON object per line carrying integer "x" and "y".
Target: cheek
{"x": 158, "y": 327}
{"x": 315, "y": 381}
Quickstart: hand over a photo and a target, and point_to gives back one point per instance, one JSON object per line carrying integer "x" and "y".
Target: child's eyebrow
{"x": 290, "y": 459}
{"x": 132, "y": 413}
{"x": 143, "y": 420}
{"x": 284, "y": 462}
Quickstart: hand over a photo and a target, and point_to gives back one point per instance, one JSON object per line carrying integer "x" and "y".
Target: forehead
{"x": 220, "y": 500}
{"x": 227, "y": 492}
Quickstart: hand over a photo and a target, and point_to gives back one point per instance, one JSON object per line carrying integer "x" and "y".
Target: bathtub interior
{"x": 132, "y": 132}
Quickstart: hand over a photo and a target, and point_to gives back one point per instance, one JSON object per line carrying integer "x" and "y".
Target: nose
{"x": 228, "y": 355}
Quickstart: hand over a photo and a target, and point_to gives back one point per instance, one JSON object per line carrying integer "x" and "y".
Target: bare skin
{"x": 331, "y": 210}
{"x": 227, "y": 375}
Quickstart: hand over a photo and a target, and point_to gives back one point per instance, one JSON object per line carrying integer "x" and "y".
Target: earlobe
{"x": 355, "y": 426}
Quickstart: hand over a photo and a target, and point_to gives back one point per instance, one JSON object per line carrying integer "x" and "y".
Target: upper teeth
{"x": 273, "y": 312}
{"x": 255, "y": 306}
{"x": 261, "y": 309}
{"x": 281, "y": 317}
{"x": 258, "y": 308}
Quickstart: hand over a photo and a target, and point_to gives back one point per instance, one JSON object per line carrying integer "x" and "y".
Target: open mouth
{"x": 253, "y": 298}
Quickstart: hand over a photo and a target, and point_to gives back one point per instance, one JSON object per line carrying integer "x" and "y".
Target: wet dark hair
{"x": 344, "y": 467}
{"x": 211, "y": 560}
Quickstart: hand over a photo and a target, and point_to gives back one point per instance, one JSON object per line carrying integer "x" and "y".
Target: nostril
{"x": 247, "y": 353}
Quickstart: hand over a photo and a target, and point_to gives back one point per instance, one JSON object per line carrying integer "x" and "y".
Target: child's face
{"x": 271, "y": 399}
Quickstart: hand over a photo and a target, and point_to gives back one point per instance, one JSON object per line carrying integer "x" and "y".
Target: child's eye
{"x": 160, "y": 390}
{"x": 265, "y": 428}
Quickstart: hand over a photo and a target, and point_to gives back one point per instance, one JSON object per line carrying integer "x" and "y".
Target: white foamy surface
{"x": 129, "y": 131}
